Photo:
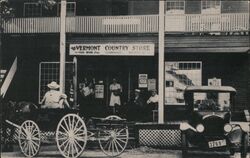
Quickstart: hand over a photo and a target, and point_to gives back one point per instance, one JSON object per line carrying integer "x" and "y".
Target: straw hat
{"x": 53, "y": 85}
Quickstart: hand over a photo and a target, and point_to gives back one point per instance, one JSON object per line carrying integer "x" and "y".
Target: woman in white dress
{"x": 115, "y": 99}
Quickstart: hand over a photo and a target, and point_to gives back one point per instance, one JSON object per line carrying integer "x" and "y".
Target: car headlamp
{"x": 228, "y": 128}
{"x": 200, "y": 128}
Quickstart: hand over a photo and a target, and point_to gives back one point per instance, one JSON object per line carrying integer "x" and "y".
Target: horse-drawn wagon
{"x": 71, "y": 132}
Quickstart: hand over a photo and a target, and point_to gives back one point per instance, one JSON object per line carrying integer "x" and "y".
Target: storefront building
{"x": 100, "y": 45}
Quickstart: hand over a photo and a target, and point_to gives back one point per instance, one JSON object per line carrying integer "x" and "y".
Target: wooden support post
{"x": 62, "y": 45}
{"x": 161, "y": 65}
{"x": 75, "y": 81}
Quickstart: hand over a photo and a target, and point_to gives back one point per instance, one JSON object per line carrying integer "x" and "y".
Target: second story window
{"x": 71, "y": 9}
{"x": 211, "y": 7}
{"x": 32, "y": 10}
{"x": 175, "y": 7}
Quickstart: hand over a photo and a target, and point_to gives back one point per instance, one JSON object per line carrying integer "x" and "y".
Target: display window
{"x": 178, "y": 76}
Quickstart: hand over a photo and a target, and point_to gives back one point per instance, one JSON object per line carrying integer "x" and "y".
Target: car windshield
{"x": 212, "y": 101}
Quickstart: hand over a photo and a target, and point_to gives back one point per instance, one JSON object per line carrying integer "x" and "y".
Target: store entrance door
{"x": 99, "y": 76}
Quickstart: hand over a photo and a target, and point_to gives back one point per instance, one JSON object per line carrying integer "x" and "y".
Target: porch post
{"x": 161, "y": 65}
{"x": 62, "y": 45}
{"x": 75, "y": 80}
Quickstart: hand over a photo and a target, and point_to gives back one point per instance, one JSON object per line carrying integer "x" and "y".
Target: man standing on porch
{"x": 115, "y": 99}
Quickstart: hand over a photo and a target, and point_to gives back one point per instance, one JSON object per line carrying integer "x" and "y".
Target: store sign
{"x": 214, "y": 82}
{"x": 135, "y": 49}
{"x": 143, "y": 80}
{"x": 99, "y": 91}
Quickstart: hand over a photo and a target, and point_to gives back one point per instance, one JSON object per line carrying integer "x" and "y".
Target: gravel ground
{"x": 142, "y": 152}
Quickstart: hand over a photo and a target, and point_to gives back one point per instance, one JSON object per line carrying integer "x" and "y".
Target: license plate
{"x": 217, "y": 143}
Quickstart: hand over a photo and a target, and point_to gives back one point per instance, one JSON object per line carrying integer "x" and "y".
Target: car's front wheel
{"x": 184, "y": 145}
{"x": 244, "y": 145}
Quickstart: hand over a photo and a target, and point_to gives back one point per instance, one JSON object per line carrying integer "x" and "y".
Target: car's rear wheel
{"x": 184, "y": 145}
{"x": 244, "y": 145}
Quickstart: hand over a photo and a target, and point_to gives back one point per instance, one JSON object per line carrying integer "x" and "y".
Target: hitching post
{"x": 161, "y": 65}
{"x": 62, "y": 45}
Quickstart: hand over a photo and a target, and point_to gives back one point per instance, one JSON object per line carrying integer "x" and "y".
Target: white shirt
{"x": 52, "y": 99}
{"x": 153, "y": 99}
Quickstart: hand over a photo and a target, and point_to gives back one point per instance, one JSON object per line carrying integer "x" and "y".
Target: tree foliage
{"x": 6, "y": 11}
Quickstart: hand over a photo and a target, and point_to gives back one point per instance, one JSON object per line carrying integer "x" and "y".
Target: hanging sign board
{"x": 143, "y": 80}
{"x": 99, "y": 91}
{"x": 151, "y": 84}
{"x": 109, "y": 49}
{"x": 214, "y": 82}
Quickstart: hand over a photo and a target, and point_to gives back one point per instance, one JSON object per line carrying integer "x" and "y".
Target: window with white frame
{"x": 71, "y": 9}
{"x": 175, "y": 7}
{"x": 211, "y": 7}
{"x": 32, "y": 10}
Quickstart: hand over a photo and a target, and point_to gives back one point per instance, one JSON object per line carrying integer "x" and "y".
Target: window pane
{"x": 234, "y": 7}
{"x": 32, "y": 9}
{"x": 70, "y": 9}
{"x": 175, "y": 7}
{"x": 211, "y": 6}
{"x": 193, "y": 7}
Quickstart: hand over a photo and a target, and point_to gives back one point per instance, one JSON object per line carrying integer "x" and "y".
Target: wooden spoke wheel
{"x": 113, "y": 141}
{"x": 71, "y": 136}
{"x": 29, "y": 138}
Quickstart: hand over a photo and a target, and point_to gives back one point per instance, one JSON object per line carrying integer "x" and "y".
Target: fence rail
{"x": 131, "y": 24}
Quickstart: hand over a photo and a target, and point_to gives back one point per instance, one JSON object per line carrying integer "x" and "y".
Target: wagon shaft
{"x": 13, "y": 124}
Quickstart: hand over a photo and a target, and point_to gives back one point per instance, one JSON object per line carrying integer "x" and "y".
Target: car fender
{"x": 235, "y": 135}
{"x": 245, "y": 126}
{"x": 185, "y": 126}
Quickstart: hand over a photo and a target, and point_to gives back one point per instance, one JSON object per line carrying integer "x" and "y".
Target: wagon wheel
{"x": 113, "y": 141}
{"x": 71, "y": 136}
{"x": 29, "y": 138}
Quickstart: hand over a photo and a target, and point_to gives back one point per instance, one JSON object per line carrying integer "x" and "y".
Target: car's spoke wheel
{"x": 113, "y": 141}
{"x": 71, "y": 136}
{"x": 29, "y": 138}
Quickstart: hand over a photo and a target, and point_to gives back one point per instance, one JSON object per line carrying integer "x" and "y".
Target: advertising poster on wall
{"x": 151, "y": 84}
{"x": 143, "y": 80}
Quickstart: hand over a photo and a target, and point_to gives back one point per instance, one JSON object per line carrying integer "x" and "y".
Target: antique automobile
{"x": 209, "y": 126}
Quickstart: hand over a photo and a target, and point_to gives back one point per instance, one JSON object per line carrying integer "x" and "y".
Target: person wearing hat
{"x": 53, "y": 98}
{"x": 136, "y": 106}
